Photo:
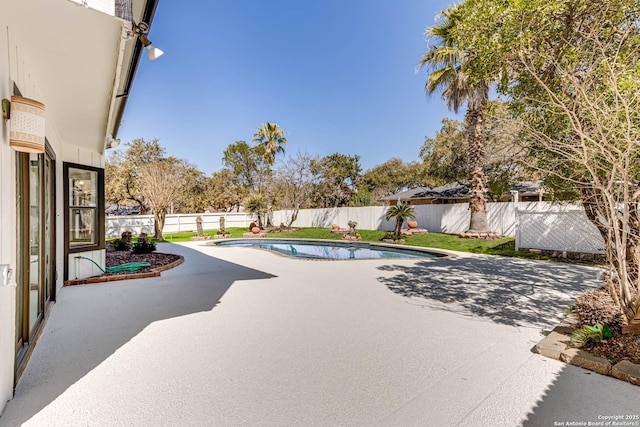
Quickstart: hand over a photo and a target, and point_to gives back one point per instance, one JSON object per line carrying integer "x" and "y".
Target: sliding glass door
{"x": 36, "y": 245}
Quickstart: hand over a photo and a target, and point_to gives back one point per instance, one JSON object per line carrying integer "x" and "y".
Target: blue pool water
{"x": 330, "y": 250}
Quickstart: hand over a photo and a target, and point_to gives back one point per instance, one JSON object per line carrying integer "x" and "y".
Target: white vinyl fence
{"x": 452, "y": 218}
{"x": 535, "y": 225}
{"x": 116, "y": 224}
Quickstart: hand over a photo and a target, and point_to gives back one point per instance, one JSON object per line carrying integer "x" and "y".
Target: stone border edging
{"x": 155, "y": 272}
{"x": 555, "y": 345}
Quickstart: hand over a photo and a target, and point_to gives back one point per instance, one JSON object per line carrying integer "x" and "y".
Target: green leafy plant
{"x": 588, "y": 333}
{"x": 389, "y": 235}
{"x": 143, "y": 247}
{"x": 400, "y": 213}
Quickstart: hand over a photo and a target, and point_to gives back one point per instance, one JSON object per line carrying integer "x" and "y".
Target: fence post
{"x": 516, "y": 202}
{"x": 517, "y": 223}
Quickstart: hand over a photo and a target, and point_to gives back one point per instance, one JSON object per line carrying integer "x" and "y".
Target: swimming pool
{"x": 331, "y": 250}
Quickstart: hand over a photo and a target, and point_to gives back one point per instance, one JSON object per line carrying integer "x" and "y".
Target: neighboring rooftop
{"x": 459, "y": 192}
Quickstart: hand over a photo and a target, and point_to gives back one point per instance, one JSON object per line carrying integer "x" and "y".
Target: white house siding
{"x": 80, "y": 267}
{"x": 16, "y": 66}
{"x": 7, "y": 231}
{"x": 19, "y": 65}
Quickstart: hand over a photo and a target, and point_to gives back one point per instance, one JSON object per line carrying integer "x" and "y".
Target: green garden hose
{"x": 130, "y": 266}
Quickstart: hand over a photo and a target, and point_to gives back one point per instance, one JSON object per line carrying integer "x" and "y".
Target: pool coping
{"x": 442, "y": 253}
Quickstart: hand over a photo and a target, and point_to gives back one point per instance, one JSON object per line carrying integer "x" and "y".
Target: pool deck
{"x": 241, "y": 337}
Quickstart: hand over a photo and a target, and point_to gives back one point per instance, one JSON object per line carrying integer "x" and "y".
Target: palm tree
{"x": 400, "y": 213}
{"x": 449, "y": 73}
{"x": 271, "y": 138}
{"x": 256, "y": 204}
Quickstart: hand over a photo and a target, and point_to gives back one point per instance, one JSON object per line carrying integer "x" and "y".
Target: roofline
{"x": 147, "y": 17}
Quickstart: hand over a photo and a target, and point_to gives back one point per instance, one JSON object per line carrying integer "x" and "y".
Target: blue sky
{"x": 338, "y": 75}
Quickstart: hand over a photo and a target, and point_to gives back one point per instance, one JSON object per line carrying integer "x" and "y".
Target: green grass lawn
{"x": 504, "y": 246}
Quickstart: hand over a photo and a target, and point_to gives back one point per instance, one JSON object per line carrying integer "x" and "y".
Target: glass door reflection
{"x": 35, "y": 246}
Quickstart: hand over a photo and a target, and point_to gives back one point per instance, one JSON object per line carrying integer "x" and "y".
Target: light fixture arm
{"x": 141, "y": 29}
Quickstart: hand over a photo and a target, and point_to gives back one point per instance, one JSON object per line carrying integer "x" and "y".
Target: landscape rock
{"x": 585, "y": 360}
{"x": 552, "y": 345}
{"x": 627, "y": 371}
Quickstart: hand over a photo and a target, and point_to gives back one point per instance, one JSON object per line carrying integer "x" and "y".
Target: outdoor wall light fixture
{"x": 141, "y": 30}
{"x": 27, "y": 130}
{"x": 111, "y": 142}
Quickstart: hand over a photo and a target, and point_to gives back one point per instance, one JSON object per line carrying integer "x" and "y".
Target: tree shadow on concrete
{"x": 91, "y": 322}
{"x": 504, "y": 290}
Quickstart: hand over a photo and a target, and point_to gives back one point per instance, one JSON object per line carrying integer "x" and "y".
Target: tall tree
{"x": 294, "y": 184}
{"x": 392, "y": 176}
{"x": 448, "y": 66}
{"x": 270, "y": 139}
{"x": 162, "y": 182}
{"x": 193, "y": 197}
{"x": 247, "y": 165}
{"x": 123, "y": 171}
{"x": 115, "y": 179}
{"x": 445, "y": 155}
{"x": 570, "y": 69}
{"x": 336, "y": 180}
{"x": 222, "y": 192}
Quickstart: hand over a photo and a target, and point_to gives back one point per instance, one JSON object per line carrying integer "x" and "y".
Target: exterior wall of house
{"x": 80, "y": 268}
{"x": 8, "y": 247}
{"x": 17, "y": 67}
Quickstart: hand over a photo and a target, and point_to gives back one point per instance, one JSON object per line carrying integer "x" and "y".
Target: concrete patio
{"x": 241, "y": 337}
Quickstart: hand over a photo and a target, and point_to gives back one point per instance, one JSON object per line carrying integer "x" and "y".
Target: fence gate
{"x": 563, "y": 228}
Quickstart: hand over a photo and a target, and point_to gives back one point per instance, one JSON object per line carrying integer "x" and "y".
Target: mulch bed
{"x": 616, "y": 349}
{"x": 114, "y": 258}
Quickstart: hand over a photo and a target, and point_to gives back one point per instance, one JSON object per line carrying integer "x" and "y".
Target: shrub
{"x": 119, "y": 245}
{"x": 596, "y": 307}
{"x": 389, "y": 235}
{"x": 143, "y": 247}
